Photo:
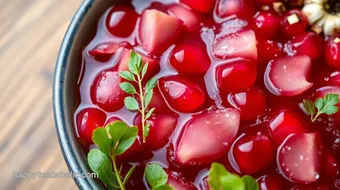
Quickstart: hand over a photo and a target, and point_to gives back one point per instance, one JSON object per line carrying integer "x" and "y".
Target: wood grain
{"x": 31, "y": 32}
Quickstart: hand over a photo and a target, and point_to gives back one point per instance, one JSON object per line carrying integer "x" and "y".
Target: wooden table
{"x": 31, "y": 32}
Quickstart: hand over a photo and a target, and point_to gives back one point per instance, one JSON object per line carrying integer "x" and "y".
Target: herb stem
{"x": 119, "y": 179}
{"x": 141, "y": 96}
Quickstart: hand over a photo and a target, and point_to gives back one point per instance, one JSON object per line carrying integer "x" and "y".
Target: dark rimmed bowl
{"x": 65, "y": 81}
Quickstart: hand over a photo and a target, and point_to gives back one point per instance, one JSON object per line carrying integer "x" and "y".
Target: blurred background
{"x": 31, "y": 32}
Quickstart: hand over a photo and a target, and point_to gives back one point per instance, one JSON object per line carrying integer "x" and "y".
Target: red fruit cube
{"x": 106, "y": 92}
{"x": 158, "y": 31}
{"x": 242, "y": 71}
{"x": 269, "y": 50}
{"x": 207, "y": 136}
{"x": 308, "y": 43}
{"x": 332, "y": 51}
{"x": 242, "y": 8}
{"x": 178, "y": 182}
{"x": 190, "y": 59}
{"x": 287, "y": 76}
{"x": 240, "y": 44}
{"x": 299, "y": 158}
{"x": 104, "y": 51}
{"x": 294, "y": 22}
{"x": 190, "y": 19}
{"x": 204, "y": 6}
{"x": 267, "y": 25}
{"x": 87, "y": 120}
{"x": 246, "y": 151}
{"x": 183, "y": 95}
{"x": 284, "y": 123}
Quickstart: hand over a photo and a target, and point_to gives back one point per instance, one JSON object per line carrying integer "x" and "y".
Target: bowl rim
{"x": 59, "y": 90}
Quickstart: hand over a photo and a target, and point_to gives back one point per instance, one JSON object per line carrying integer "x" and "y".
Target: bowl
{"x": 65, "y": 81}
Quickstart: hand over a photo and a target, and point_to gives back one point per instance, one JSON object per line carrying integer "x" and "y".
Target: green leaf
{"x": 135, "y": 63}
{"x": 308, "y": 105}
{"x": 122, "y": 136}
{"x": 131, "y": 103}
{"x": 127, "y": 75}
{"x": 101, "y": 164}
{"x": 150, "y": 112}
{"x": 145, "y": 69}
{"x": 148, "y": 97}
{"x": 232, "y": 182}
{"x": 151, "y": 84}
{"x": 128, "y": 88}
{"x": 146, "y": 130}
{"x": 128, "y": 175}
{"x": 319, "y": 104}
{"x": 155, "y": 175}
{"x": 163, "y": 187}
{"x": 330, "y": 102}
{"x": 216, "y": 171}
{"x": 101, "y": 139}
{"x": 250, "y": 182}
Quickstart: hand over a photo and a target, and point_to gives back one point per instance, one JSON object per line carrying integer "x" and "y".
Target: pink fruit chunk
{"x": 322, "y": 92}
{"x": 284, "y": 123}
{"x": 269, "y": 50}
{"x": 104, "y": 51}
{"x": 190, "y": 59}
{"x": 232, "y": 25}
{"x": 106, "y": 92}
{"x": 287, "y": 76}
{"x": 241, "y": 44}
{"x": 242, "y": 71}
{"x": 121, "y": 21}
{"x": 161, "y": 127}
{"x": 158, "y": 31}
{"x": 153, "y": 67}
{"x": 190, "y": 19}
{"x": 183, "y": 95}
{"x": 246, "y": 151}
{"x": 251, "y": 102}
{"x": 266, "y": 24}
{"x": 299, "y": 158}
{"x": 242, "y": 8}
{"x": 204, "y": 6}
{"x": 178, "y": 182}
{"x": 207, "y": 136}
{"x": 87, "y": 120}
{"x": 308, "y": 43}
{"x": 332, "y": 51}
{"x": 294, "y": 22}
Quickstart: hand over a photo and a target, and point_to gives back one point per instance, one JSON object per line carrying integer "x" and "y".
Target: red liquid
{"x": 254, "y": 138}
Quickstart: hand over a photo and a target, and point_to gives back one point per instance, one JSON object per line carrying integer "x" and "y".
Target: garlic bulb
{"x": 323, "y": 15}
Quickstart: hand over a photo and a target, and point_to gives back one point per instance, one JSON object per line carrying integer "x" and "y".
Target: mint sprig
{"x": 156, "y": 177}
{"x": 112, "y": 141}
{"x": 219, "y": 178}
{"x": 136, "y": 74}
{"x": 326, "y": 105}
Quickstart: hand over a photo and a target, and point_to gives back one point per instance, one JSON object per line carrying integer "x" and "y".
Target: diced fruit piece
{"x": 285, "y": 123}
{"x": 204, "y": 6}
{"x": 242, "y": 8}
{"x": 153, "y": 67}
{"x": 308, "y": 43}
{"x": 190, "y": 19}
{"x": 271, "y": 181}
{"x": 294, "y": 22}
{"x": 178, "y": 182}
{"x": 158, "y": 102}
{"x": 136, "y": 179}
{"x": 268, "y": 50}
{"x": 266, "y": 24}
{"x": 242, "y": 71}
{"x": 121, "y": 21}
{"x": 190, "y": 59}
{"x": 322, "y": 92}
{"x": 207, "y": 136}
{"x": 232, "y": 25}
{"x": 246, "y": 151}
{"x": 299, "y": 158}
{"x": 106, "y": 92}
{"x": 182, "y": 95}
{"x": 104, "y": 51}
{"x": 287, "y": 76}
{"x": 240, "y": 44}
{"x": 87, "y": 120}
{"x": 251, "y": 102}
{"x": 158, "y": 31}
{"x": 332, "y": 51}
{"x": 161, "y": 127}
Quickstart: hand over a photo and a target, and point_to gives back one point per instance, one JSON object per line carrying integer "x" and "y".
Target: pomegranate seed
{"x": 268, "y": 50}
{"x": 294, "y": 22}
{"x": 242, "y": 8}
{"x": 104, "y": 51}
{"x": 308, "y": 43}
{"x": 190, "y": 19}
{"x": 332, "y": 51}
{"x": 121, "y": 21}
{"x": 204, "y": 6}
{"x": 266, "y": 24}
